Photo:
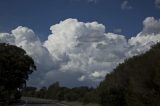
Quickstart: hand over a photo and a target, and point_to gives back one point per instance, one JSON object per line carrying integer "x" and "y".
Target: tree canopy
{"x": 136, "y": 82}
{"x": 56, "y": 92}
{"x": 15, "y": 67}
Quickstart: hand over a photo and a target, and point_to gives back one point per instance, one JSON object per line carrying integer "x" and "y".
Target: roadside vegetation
{"x": 15, "y": 67}
{"x": 136, "y": 82}
{"x": 84, "y": 95}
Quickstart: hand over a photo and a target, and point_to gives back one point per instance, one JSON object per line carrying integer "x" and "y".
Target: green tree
{"x": 41, "y": 93}
{"x": 91, "y": 96}
{"x": 15, "y": 67}
{"x": 29, "y": 91}
{"x": 53, "y": 90}
{"x": 136, "y": 82}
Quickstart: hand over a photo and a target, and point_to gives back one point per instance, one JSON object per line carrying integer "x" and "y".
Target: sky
{"x": 78, "y": 42}
{"x": 40, "y": 15}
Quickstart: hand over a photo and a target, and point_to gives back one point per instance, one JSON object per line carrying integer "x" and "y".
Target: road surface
{"x": 40, "y": 105}
{"x": 38, "y": 102}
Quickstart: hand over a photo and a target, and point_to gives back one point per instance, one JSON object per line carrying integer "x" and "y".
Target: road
{"x": 39, "y": 102}
{"x": 40, "y": 105}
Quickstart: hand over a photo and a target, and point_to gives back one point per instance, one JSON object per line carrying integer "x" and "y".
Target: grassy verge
{"x": 80, "y": 104}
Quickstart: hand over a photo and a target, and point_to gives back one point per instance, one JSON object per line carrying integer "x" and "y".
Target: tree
{"x": 41, "y": 93}
{"x": 15, "y": 67}
{"x": 136, "y": 82}
{"x": 53, "y": 90}
{"x": 29, "y": 91}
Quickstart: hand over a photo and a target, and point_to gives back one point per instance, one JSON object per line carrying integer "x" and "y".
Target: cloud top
{"x": 78, "y": 53}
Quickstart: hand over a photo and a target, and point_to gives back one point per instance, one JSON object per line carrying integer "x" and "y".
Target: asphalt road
{"x": 41, "y": 105}
{"x": 38, "y": 102}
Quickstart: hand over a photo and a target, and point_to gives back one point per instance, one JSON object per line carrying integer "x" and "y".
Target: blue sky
{"x": 41, "y": 14}
{"x": 78, "y": 42}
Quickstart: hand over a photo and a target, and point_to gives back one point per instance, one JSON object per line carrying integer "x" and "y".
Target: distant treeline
{"x": 57, "y": 92}
{"x": 136, "y": 82}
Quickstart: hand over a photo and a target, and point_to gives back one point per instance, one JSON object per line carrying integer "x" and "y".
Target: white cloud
{"x": 118, "y": 30}
{"x": 82, "y": 78}
{"x": 82, "y": 47}
{"x": 98, "y": 74}
{"x": 151, "y": 26}
{"x": 78, "y": 53}
{"x": 157, "y": 3}
{"x": 7, "y": 38}
{"x": 125, "y": 5}
{"x": 146, "y": 38}
{"x": 93, "y": 1}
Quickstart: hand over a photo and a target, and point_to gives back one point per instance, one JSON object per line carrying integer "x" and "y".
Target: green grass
{"x": 80, "y": 104}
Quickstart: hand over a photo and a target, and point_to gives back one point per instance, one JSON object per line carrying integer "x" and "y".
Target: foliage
{"x": 136, "y": 82}
{"x": 15, "y": 66}
{"x": 29, "y": 91}
{"x": 57, "y": 92}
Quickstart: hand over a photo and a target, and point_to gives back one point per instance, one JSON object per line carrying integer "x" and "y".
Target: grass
{"x": 80, "y": 104}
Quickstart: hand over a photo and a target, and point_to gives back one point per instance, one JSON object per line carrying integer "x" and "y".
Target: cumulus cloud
{"x": 78, "y": 53}
{"x": 82, "y": 47}
{"x": 87, "y": 49}
{"x": 149, "y": 36}
{"x": 7, "y": 38}
{"x": 125, "y": 5}
{"x": 157, "y": 3}
{"x": 151, "y": 26}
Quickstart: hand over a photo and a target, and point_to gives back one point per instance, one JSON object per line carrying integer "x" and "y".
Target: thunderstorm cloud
{"x": 78, "y": 53}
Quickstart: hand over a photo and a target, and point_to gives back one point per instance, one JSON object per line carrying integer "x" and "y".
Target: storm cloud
{"x": 79, "y": 53}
